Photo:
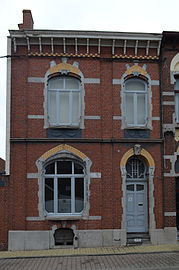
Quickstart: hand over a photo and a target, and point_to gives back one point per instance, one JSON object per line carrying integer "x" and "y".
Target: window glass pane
{"x": 50, "y": 169}
{"x": 64, "y": 167}
{"x": 140, "y": 187}
{"x": 176, "y": 86}
{"x": 78, "y": 168}
{"x": 56, "y": 83}
{"x": 79, "y": 194}
{"x": 49, "y": 194}
{"x": 135, "y": 169}
{"x": 130, "y": 187}
{"x": 64, "y": 107}
{"x": 135, "y": 85}
{"x": 141, "y": 119}
{"x": 64, "y": 195}
{"x": 52, "y": 107}
{"x": 71, "y": 83}
{"x": 75, "y": 113}
{"x": 129, "y": 109}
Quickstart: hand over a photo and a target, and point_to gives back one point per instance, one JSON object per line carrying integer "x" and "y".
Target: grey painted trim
{"x": 116, "y": 81}
{"x": 92, "y": 117}
{"x": 169, "y": 174}
{"x": 94, "y": 218}
{"x": 42, "y": 80}
{"x": 155, "y": 82}
{"x": 168, "y": 156}
{"x": 92, "y": 80}
{"x": 34, "y": 218}
{"x": 168, "y": 103}
{"x": 36, "y": 80}
{"x": 95, "y": 175}
{"x": 32, "y": 175}
{"x": 156, "y": 118}
{"x": 168, "y": 93}
{"x": 117, "y": 117}
{"x": 170, "y": 214}
{"x": 30, "y": 116}
{"x": 62, "y": 218}
{"x": 86, "y": 34}
{"x": 45, "y": 104}
{"x": 148, "y": 105}
{"x": 40, "y": 163}
{"x": 8, "y": 107}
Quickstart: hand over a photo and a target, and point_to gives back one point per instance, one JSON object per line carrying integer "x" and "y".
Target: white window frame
{"x": 135, "y": 94}
{"x": 70, "y": 93}
{"x": 55, "y": 180}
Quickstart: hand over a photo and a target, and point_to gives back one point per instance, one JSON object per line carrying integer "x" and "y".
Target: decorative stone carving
{"x": 137, "y": 149}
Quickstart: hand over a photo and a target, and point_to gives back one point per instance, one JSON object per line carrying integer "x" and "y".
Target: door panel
{"x": 136, "y": 207}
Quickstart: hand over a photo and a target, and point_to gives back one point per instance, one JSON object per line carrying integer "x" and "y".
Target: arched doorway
{"x": 136, "y": 195}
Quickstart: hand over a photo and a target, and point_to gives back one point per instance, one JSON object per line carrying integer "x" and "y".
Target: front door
{"x": 136, "y": 197}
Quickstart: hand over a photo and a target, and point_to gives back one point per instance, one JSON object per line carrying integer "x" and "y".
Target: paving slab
{"x": 91, "y": 251}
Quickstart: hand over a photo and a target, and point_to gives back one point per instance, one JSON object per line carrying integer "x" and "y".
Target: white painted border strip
{"x": 94, "y": 218}
{"x": 170, "y": 214}
{"x": 169, "y": 175}
{"x": 92, "y": 117}
{"x": 156, "y": 118}
{"x": 155, "y": 82}
{"x": 168, "y": 103}
{"x": 32, "y": 175}
{"x": 95, "y": 175}
{"x": 34, "y": 218}
{"x": 116, "y": 81}
{"x": 87, "y": 218}
{"x": 168, "y": 93}
{"x": 92, "y": 80}
{"x": 117, "y": 117}
{"x": 168, "y": 156}
{"x": 36, "y": 80}
{"x": 92, "y": 175}
{"x": 30, "y": 116}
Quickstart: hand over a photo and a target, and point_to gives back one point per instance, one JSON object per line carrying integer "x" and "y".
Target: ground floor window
{"x": 64, "y": 187}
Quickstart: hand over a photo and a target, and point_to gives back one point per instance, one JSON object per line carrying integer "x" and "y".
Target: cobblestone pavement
{"x": 152, "y": 261}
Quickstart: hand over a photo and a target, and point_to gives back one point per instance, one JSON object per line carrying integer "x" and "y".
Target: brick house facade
{"x": 84, "y": 139}
{"x": 170, "y": 90}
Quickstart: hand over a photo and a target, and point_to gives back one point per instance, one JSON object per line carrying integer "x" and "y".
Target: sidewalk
{"x": 90, "y": 251}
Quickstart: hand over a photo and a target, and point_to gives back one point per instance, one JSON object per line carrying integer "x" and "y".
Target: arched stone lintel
{"x": 144, "y": 153}
{"x": 63, "y": 147}
{"x": 64, "y": 66}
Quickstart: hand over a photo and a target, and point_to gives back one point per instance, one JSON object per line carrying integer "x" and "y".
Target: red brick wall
{"x": 102, "y": 100}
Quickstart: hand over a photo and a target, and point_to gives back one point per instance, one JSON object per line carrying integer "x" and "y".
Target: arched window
{"x": 136, "y": 169}
{"x": 64, "y": 187}
{"x": 135, "y": 91}
{"x": 64, "y": 101}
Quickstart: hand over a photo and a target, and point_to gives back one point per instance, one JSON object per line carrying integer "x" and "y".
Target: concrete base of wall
{"x": 168, "y": 235}
{"x": 28, "y": 240}
{"x": 35, "y": 240}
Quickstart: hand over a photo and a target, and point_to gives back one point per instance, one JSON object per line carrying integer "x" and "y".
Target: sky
{"x": 151, "y": 16}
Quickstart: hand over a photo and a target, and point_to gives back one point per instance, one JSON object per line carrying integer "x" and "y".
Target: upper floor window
{"x": 176, "y": 88}
{"x": 64, "y": 101}
{"x": 135, "y": 91}
{"x": 64, "y": 188}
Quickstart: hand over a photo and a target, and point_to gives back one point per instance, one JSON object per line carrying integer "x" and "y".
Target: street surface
{"x": 145, "y": 261}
